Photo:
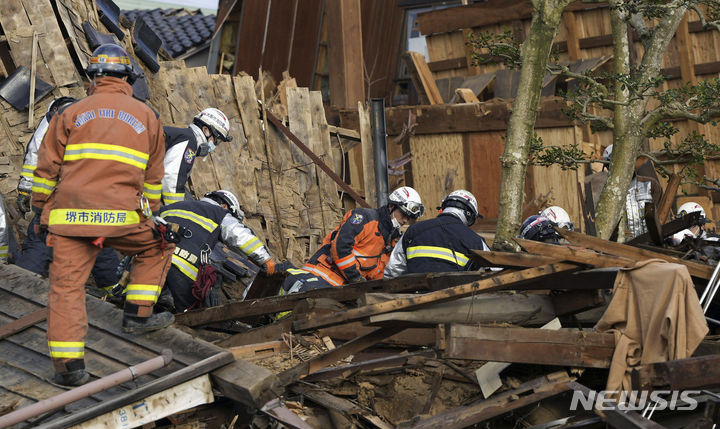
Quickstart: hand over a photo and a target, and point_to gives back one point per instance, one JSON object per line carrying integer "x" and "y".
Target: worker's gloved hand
{"x": 23, "y": 201}
{"x": 271, "y": 266}
{"x": 356, "y": 278}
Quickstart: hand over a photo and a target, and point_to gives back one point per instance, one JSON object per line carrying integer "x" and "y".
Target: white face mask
{"x": 395, "y": 223}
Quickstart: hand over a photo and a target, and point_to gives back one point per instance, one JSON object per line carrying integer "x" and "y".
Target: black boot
{"x": 72, "y": 378}
{"x": 165, "y": 302}
{"x": 141, "y": 325}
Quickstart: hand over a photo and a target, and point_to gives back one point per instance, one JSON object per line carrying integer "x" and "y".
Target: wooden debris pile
{"x": 435, "y": 350}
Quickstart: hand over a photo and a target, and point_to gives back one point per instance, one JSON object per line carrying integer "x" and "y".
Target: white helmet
{"x": 607, "y": 152}
{"x": 222, "y": 196}
{"x": 408, "y": 200}
{"x": 465, "y": 201}
{"x": 216, "y": 121}
{"x": 692, "y": 207}
{"x": 559, "y": 217}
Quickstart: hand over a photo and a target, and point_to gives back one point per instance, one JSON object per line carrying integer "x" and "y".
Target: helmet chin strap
{"x": 395, "y": 222}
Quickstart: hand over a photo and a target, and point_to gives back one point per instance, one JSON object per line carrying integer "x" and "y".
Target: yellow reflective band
{"x": 67, "y": 349}
{"x": 27, "y": 171}
{"x": 251, "y": 245}
{"x": 138, "y": 292}
{"x": 204, "y": 222}
{"x": 184, "y": 266}
{"x": 438, "y": 253}
{"x": 172, "y": 197}
{"x": 93, "y": 217}
{"x": 152, "y": 192}
{"x": 318, "y": 272}
{"x": 296, "y": 271}
{"x": 43, "y": 186}
{"x": 104, "y": 151}
{"x": 3, "y": 251}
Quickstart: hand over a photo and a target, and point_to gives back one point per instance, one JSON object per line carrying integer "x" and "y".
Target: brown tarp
{"x": 655, "y": 315}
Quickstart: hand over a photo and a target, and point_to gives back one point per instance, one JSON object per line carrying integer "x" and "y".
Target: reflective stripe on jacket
{"x": 181, "y": 146}
{"x": 97, "y": 158}
{"x": 442, "y": 244}
{"x": 360, "y": 245}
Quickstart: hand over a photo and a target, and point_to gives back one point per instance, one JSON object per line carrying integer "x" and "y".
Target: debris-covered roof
{"x": 180, "y": 30}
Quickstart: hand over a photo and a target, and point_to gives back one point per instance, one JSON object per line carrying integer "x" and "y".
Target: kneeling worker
{"x": 217, "y": 217}
{"x": 359, "y": 248}
{"x": 442, "y": 244}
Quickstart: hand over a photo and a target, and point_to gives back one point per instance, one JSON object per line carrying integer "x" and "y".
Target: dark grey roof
{"x": 179, "y": 29}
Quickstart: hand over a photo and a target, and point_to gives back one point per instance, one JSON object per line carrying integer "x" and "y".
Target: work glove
{"x": 271, "y": 267}
{"x": 356, "y": 278}
{"x": 23, "y": 201}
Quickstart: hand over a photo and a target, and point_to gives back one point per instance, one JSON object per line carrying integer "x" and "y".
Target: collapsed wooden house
{"x": 417, "y": 351}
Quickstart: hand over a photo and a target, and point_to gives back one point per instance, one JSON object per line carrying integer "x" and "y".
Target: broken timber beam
{"x": 598, "y": 244}
{"x": 581, "y": 256}
{"x": 502, "y": 281}
{"x": 682, "y": 374}
{"x": 332, "y": 356}
{"x": 668, "y": 198}
{"x": 315, "y": 159}
{"x": 274, "y": 304}
{"x": 421, "y": 78}
{"x": 510, "y": 259}
{"x": 23, "y": 323}
{"x": 466, "y": 416}
{"x": 562, "y": 347}
{"x": 669, "y": 228}
{"x": 353, "y": 369}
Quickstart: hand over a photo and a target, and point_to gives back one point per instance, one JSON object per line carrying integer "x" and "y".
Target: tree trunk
{"x": 629, "y": 131}
{"x": 534, "y": 57}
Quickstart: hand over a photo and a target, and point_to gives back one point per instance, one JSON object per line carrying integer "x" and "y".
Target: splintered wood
{"x": 301, "y": 200}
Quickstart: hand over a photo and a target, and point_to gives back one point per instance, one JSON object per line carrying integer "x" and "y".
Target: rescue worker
{"x": 442, "y": 244}
{"x": 98, "y": 176}
{"x": 35, "y": 255}
{"x": 216, "y": 217}
{"x": 183, "y": 145}
{"x": 695, "y": 231}
{"x": 559, "y": 217}
{"x": 539, "y": 228}
{"x": 359, "y": 248}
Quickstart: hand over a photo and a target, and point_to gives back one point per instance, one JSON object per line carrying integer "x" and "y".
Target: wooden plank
{"x": 332, "y": 356}
{"x": 345, "y": 53}
{"x": 692, "y": 373}
{"x": 460, "y": 118}
{"x": 330, "y": 204}
{"x": 368, "y": 153}
{"x": 408, "y": 337}
{"x": 259, "y": 350}
{"x": 174, "y": 400}
{"x": 669, "y": 228}
{"x": 244, "y": 309}
{"x": 352, "y": 369}
{"x": 469, "y": 415}
{"x": 625, "y": 251}
{"x": 22, "y": 323}
{"x": 502, "y": 281}
{"x": 653, "y": 224}
{"x": 54, "y": 52}
{"x": 260, "y": 334}
{"x": 325, "y": 399}
{"x": 668, "y": 197}
{"x": 33, "y": 76}
{"x": 509, "y": 259}
{"x": 564, "y": 347}
{"x": 344, "y": 132}
{"x": 581, "y": 256}
{"x": 422, "y": 78}
{"x": 466, "y": 95}
{"x": 316, "y": 160}
{"x": 111, "y": 406}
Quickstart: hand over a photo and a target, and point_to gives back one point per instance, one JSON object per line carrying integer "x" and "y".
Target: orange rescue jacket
{"x": 359, "y": 246}
{"x": 99, "y": 157}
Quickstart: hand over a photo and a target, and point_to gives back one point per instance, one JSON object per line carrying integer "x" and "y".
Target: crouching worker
{"x": 98, "y": 158}
{"x": 215, "y": 218}
{"x": 442, "y": 244}
{"x": 359, "y": 248}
